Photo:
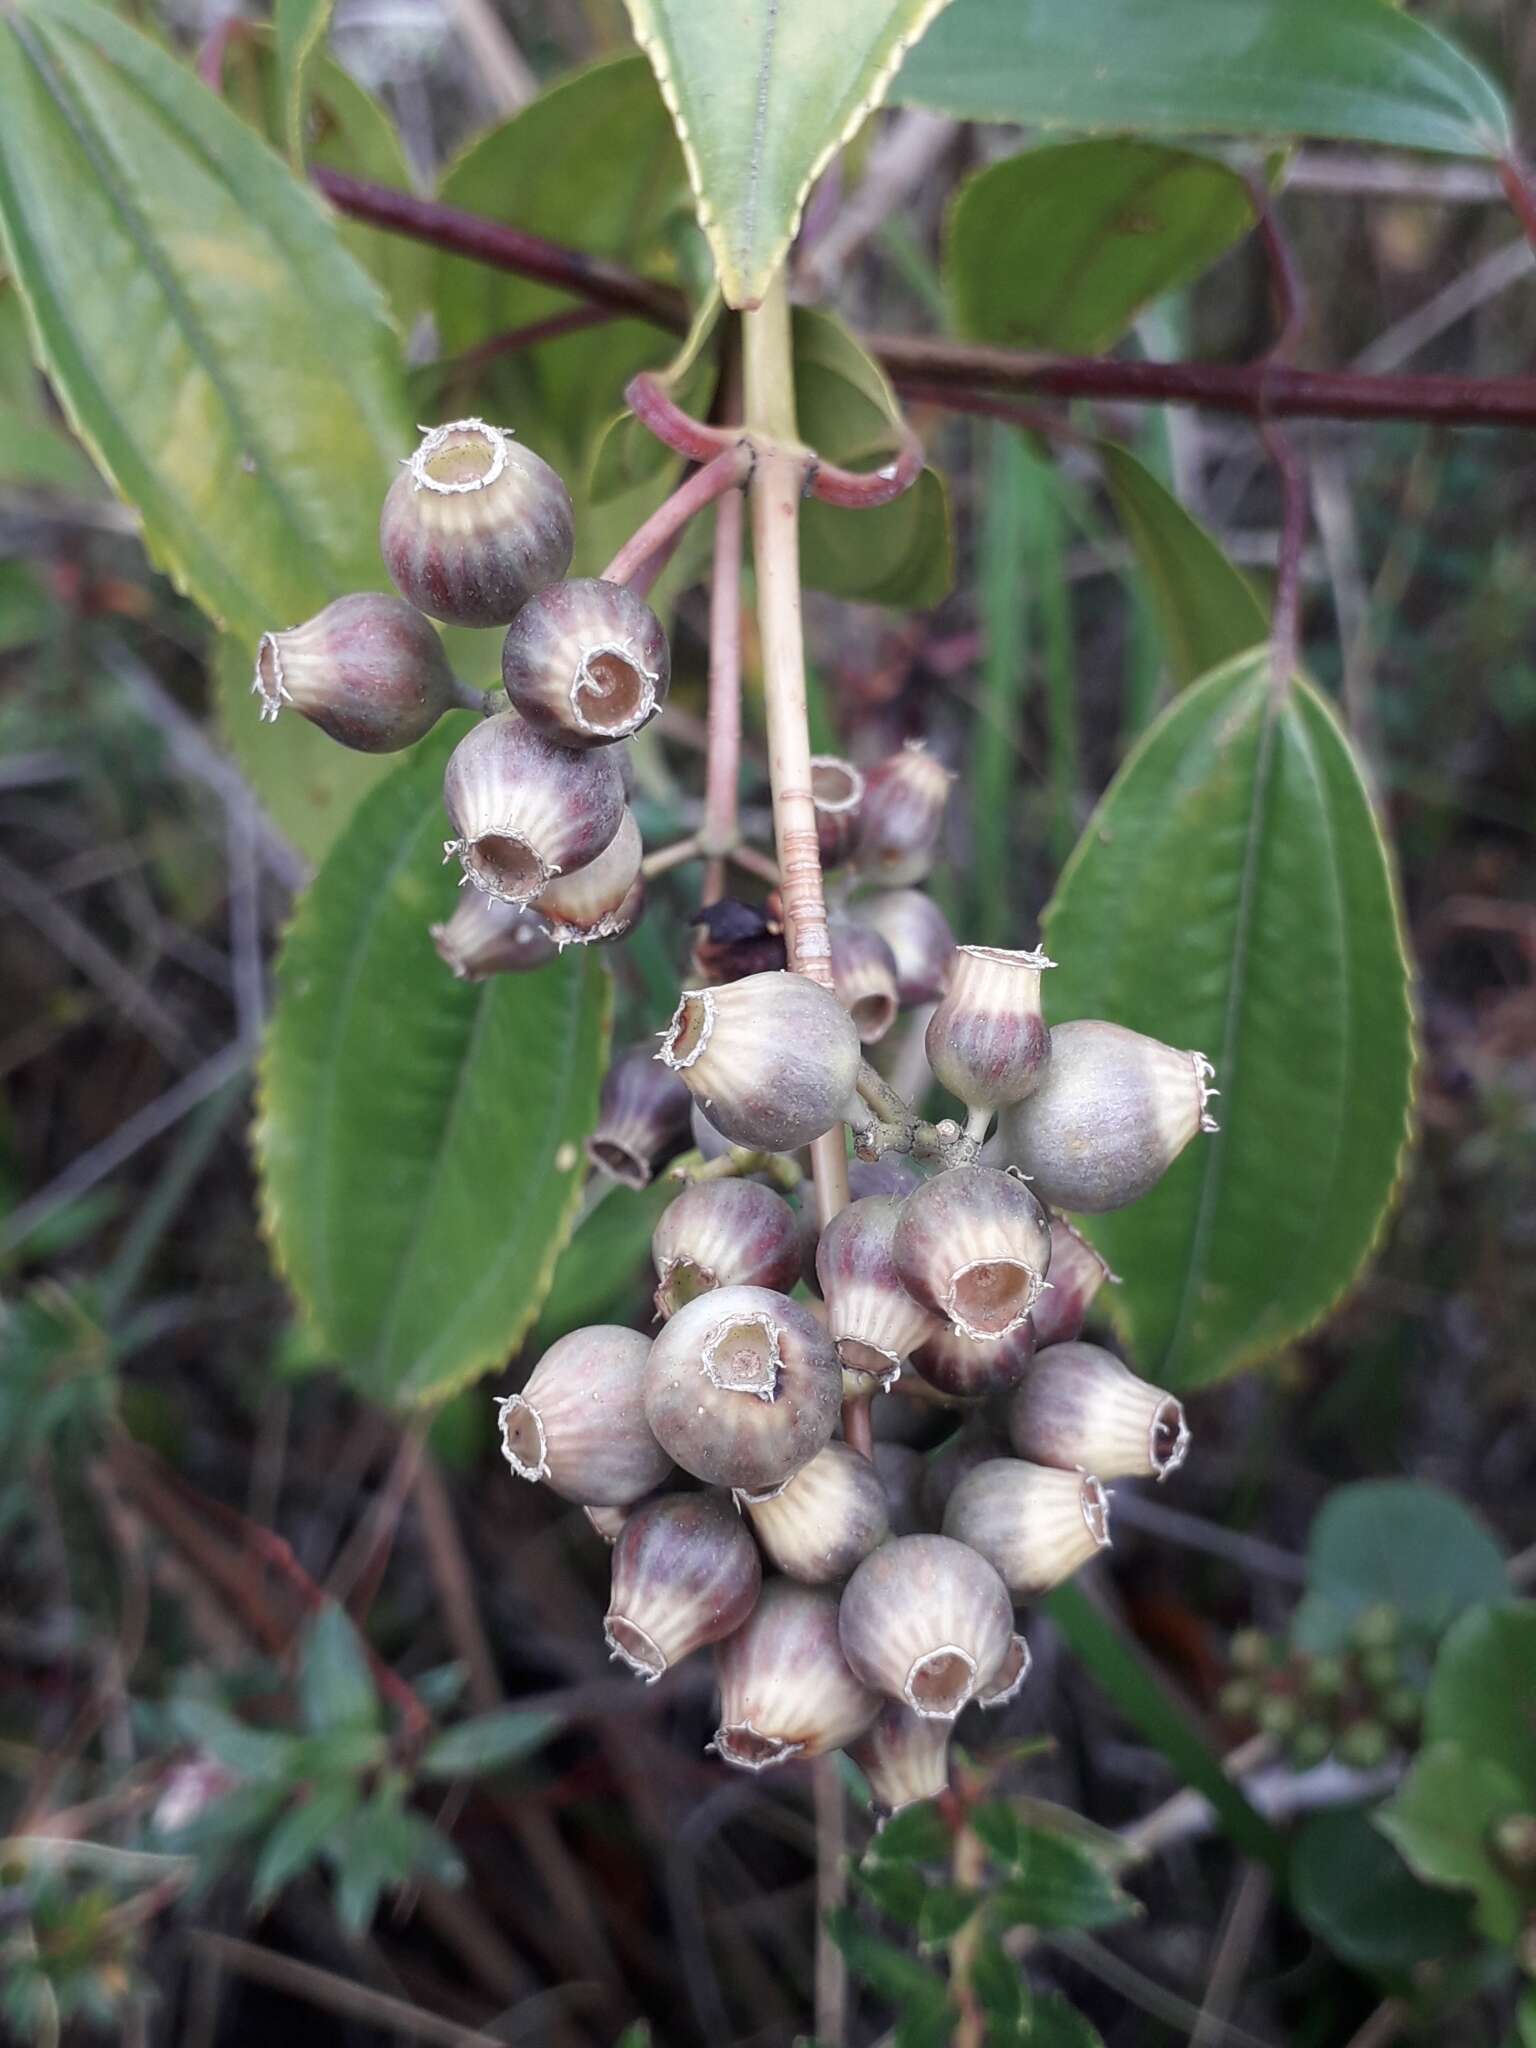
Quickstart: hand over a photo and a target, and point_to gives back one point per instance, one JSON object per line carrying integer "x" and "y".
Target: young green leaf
{"x": 914, "y": 1987}
{"x": 761, "y": 105}
{"x": 1396, "y": 1543}
{"x": 301, "y": 33}
{"x": 1206, "y": 609}
{"x": 336, "y": 1691}
{"x": 1360, "y": 70}
{"x": 228, "y": 366}
{"x": 419, "y": 1138}
{"x": 1061, "y": 247}
{"x": 1441, "y": 1819}
{"x": 300, "y": 1835}
{"x": 1350, "y": 1886}
{"x": 1045, "y": 1878}
{"x": 1232, "y": 893}
{"x": 1483, "y": 1689}
{"x": 260, "y": 1753}
{"x": 898, "y": 553}
{"x": 489, "y": 1742}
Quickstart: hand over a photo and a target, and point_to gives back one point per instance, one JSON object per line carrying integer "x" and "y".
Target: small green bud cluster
{"x": 1357, "y": 1704}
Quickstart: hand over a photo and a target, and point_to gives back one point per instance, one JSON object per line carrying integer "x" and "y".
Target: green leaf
{"x": 917, "y": 1834}
{"x": 489, "y": 1742}
{"x": 1525, "y": 2017}
{"x": 605, "y": 1263}
{"x": 1360, "y": 70}
{"x": 381, "y": 1845}
{"x": 335, "y": 1687}
{"x": 301, "y": 33}
{"x": 1353, "y": 1890}
{"x": 761, "y": 104}
{"x": 1061, "y": 248}
{"x": 550, "y": 171}
{"x": 944, "y": 1911}
{"x": 913, "y": 1986}
{"x": 34, "y": 449}
{"x": 900, "y": 553}
{"x": 259, "y": 1753}
{"x": 1205, "y": 607}
{"x": 225, "y": 362}
{"x": 1054, "y": 2023}
{"x": 1394, "y": 1543}
{"x": 1441, "y": 1817}
{"x": 1483, "y": 1689}
{"x": 419, "y": 1138}
{"x": 1232, "y": 893}
{"x": 299, "y": 1837}
{"x": 1145, "y": 1699}
{"x": 1045, "y": 1878}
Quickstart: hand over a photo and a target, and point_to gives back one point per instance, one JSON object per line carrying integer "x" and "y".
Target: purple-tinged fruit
{"x": 829, "y": 1517}
{"x": 369, "y": 670}
{"x": 586, "y": 662}
{"x": 1112, "y": 1113}
{"x": 1036, "y": 1525}
{"x": 1011, "y": 1674}
{"x": 1077, "y": 1274}
{"x": 918, "y": 934}
{"x": 771, "y": 1060}
{"x": 970, "y": 1368}
{"x": 685, "y": 1573}
{"x": 743, "y": 1388}
{"x": 973, "y": 1245}
{"x": 927, "y": 1621}
{"x": 904, "y": 1758}
{"x": 864, "y": 976}
{"x": 485, "y": 936}
{"x": 594, "y": 902}
{"x": 475, "y": 526}
{"x": 785, "y": 1687}
{"x": 524, "y": 812}
{"x": 837, "y": 789}
{"x": 902, "y": 816}
{"x": 642, "y": 1118}
{"x": 874, "y": 1321}
{"x": 579, "y": 1423}
{"x": 987, "y": 1041}
{"x": 723, "y": 1233}
{"x": 1080, "y": 1407}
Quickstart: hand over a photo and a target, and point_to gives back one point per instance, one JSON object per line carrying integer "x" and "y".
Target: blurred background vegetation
{"x": 191, "y": 1501}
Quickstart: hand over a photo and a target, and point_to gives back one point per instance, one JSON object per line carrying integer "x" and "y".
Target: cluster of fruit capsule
{"x": 1357, "y": 1704}
{"x": 853, "y": 1600}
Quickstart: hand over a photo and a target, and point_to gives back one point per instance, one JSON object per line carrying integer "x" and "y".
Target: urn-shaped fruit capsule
{"x": 771, "y": 1059}
{"x": 1077, "y": 1274}
{"x": 1113, "y": 1111}
{"x": 902, "y": 816}
{"x": 685, "y": 1572}
{"x": 987, "y": 1041}
{"x": 904, "y": 1758}
{"x": 1008, "y": 1680}
{"x": 607, "y": 1522}
{"x": 970, "y": 1368}
{"x": 864, "y": 976}
{"x": 523, "y": 811}
{"x": 1035, "y": 1524}
{"x": 926, "y": 1621}
{"x": 586, "y": 662}
{"x": 642, "y": 1118}
{"x": 474, "y": 525}
{"x": 1079, "y": 1407}
{"x": 837, "y": 789}
{"x": 974, "y": 1245}
{"x": 579, "y": 1423}
{"x": 369, "y": 670}
{"x": 785, "y": 1687}
{"x": 918, "y": 934}
{"x": 892, "y": 1175}
{"x": 874, "y": 1321}
{"x": 723, "y": 1233}
{"x": 831, "y": 1515}
{"x": 742, "y": 1388}
{"x": 485, "y": 936}
{"x": 593, "y": 903}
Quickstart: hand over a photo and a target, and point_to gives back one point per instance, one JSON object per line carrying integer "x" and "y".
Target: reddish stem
{"x": 861, "y": 490}
{"x": 674, "y": 428}
{"x": 506, "y": 248}
{"x": 727, "y": 471}
{"x": 516, "y": 340}
{"x": 858, "y": 1425}
{"x": 1515, "y": 179}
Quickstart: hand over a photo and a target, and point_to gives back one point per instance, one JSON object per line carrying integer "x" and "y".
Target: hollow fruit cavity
{"x": 618, "y": 1160}
{"x": 629, "y": 1641}
{"x": 873, "y": 1015}
{"x": 992, "y": 1297}
{"x": 939, "y": 1684}
{"x": 748, "y": 1747}
{"x": 857, "y": 1356}
{"x": 682, "y": 1281}
{"x": 742, "y": 1357}
{"x": 508, "y": 867}
{"x": 688, "y": 1033}
{"x": 465, "y": 457}
{"x": 610, "y": 694}
{"x": 1170, "y": 1438}
{"x": 268, "y": 684}
{"x": 522, "y": 1438}
{"x": 835, "y": 785}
